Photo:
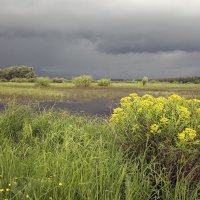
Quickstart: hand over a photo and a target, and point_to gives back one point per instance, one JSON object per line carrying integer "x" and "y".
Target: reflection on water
{"x": 100, "y": 107}
{"x": 94, "y": 107}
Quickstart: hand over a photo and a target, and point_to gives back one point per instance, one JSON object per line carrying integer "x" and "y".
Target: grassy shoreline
{"x": 67, "y": 91}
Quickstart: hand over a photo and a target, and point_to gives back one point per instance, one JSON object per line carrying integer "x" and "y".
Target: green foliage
{"x": 17, "y": 72}
{"x": 12, "y": 121}
{"x": 104, "y": 82}
{"x": 145, "y": 80}
{"x": 82, "y": 81}
{"x": 23, "y": 80}
{"x": 58, "y": 80}
{"x": 166, "y": 130}
{"x": 42, "y": 82}
{"x": 153, "y": 81}
{"x": 77, "y": 158}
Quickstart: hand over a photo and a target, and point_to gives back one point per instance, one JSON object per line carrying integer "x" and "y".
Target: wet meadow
{"x": 140, "y": 146}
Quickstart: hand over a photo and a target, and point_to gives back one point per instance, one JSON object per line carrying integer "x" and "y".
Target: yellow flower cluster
{"x": 164, "y": 120}
{"x": 165, "y": 115}
{"x": 126, "y": 101}
{"x": 174, "y": 97}
{"x": 193, "y": 101}
{"x": 184, "y": 112}
{"x": 187, "y": 134}
{"x": 154, "y": 128}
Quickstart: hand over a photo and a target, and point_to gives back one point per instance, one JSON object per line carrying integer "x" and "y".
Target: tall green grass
{"x": 53, "y": 155}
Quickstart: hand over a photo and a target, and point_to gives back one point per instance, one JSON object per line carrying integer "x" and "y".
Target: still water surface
{"x": 100, "y": 107}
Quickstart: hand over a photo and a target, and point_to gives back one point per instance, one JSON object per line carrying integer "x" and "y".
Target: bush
{"x": 42, "y": 82}
{"x": 145, "y": 80}
{"x": 58, "y": 80}
{"x": 104, "y": 82}
{"x": 154, "y": 81}
{"x": 164, "y": 129}
{"x": 82, "y": 81}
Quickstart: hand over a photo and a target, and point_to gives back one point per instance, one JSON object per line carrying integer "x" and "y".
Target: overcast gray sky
{"x": 105, "y": 38}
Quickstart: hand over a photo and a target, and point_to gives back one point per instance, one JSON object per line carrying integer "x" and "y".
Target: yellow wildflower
{"x": 181, "y": 136}
{"x": 146, "y": 103}
{"x": 60, "y": 184}
{"x": 7, "y": 189}
{"x": 118, "y": 110}
{"x": 134, "y": 96}
{"x": 187, "y": 134}
{"x": 154, "y": 128}
{"x": 158, "y": 107}
{"x": 147, "y": 97}
{"x": 164, "y": 120}
{"x": 174, "y": 97}
{"x": 184, "y": 112}
{"x": 114, "y": 118}
{"x": 160, "y": 100}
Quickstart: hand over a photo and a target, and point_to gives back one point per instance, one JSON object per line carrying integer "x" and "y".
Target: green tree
{"x": 17, "y": 72}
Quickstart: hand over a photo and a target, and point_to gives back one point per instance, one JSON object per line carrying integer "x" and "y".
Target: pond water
{"x": 99, "y": 107}
{"x": 102, "y": 107}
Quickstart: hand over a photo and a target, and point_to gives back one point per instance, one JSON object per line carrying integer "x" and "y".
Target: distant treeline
{"x": 13, "y": 72}
{"x": 27, "y": 74}
{"x": 195, "y": 79}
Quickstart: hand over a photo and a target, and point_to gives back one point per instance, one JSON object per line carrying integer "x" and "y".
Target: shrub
{"x": 82, "y": 81}
{"x": 42, "y": 82}
{"x": 154, "y": 81}
{"x": 104, "y": 82}
{"x": 165, "y": 129}
{"x": 58, "y": 80}
{"x": 145, "y": 80}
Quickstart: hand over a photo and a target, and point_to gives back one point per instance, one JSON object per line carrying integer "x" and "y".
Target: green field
{"x": 67, "y": 91}
{"x": 54, "y": 155}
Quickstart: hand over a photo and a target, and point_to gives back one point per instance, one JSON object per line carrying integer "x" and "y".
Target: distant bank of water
{"x": 99, "y": 107}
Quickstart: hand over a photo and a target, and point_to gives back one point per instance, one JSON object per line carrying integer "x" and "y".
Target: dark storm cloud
{"x": 102, "y": 37}
{"x": 136, "y": 29}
